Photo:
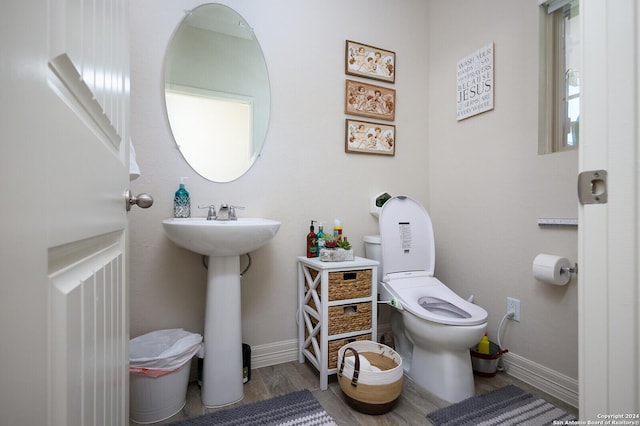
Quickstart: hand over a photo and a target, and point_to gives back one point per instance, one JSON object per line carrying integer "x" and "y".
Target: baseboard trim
{"x": 274, "y": 353}
{"x": 281, "y": 352}
{"x": 547, "y": 380}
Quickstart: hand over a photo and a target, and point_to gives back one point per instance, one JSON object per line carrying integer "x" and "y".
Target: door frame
{"x": 608, "y": 236}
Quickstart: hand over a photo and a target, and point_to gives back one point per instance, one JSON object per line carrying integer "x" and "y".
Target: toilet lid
{"x": 406, "y": 234}
{"x": 431, "y": 300}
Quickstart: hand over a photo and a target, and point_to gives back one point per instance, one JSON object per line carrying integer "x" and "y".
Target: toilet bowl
{"x": 433, "y": 326}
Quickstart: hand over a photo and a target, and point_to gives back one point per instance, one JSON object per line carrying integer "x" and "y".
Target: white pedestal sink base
{"x": 223, "y": 242}
{"x": 222, "y": 375}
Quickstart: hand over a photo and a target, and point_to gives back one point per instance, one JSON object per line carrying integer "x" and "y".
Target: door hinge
{"x": 592, "y": 187}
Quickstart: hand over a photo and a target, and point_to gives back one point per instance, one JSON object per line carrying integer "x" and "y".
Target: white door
{"x": 609, "y": 238}
{"x": 64, "y": 319}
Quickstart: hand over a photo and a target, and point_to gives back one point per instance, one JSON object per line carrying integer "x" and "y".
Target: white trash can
{"x": 159, "y": 367}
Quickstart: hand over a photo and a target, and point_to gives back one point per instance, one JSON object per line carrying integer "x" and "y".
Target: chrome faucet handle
{"x": 211, "y": 214}
{"x": 232, "y": 213}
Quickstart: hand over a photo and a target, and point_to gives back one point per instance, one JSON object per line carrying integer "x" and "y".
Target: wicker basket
{"x": 333, "y": 346}
{"x": 348, "y": 318}
{"x": 370, "y": 392}
{"x": 345, "y": 285}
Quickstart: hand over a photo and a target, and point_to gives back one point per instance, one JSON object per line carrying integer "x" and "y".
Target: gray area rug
{"x": 293, "y": 409}
{"x": 509, "y": 405}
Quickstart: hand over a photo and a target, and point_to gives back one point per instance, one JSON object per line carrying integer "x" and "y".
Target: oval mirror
{"x": 217, "y": 92}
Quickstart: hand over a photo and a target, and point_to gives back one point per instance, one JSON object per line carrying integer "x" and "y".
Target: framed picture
{"x": 371, "y": 62}
{"x": 476, "y": 82}
{"x": 370, "y": 138}
{"x": 368, "y": 100}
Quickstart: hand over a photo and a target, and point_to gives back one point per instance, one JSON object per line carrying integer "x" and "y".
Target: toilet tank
{"x": 373, "y": 251}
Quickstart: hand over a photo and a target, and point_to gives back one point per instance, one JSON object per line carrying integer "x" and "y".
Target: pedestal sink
{"x": 223, "y": 242}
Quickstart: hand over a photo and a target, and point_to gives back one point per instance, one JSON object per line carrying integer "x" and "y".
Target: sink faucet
{"x": 211, "y": 214}
{"x": 225, "y": 212}
{"x": 228, "y": 212}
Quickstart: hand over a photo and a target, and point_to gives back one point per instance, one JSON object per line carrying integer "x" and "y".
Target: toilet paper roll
{"x": 548, "y": 268}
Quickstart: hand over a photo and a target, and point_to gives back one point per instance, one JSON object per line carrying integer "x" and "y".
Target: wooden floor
{"x": 414, "y": 403}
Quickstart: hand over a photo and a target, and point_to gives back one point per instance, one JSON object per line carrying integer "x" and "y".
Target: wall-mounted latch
{"x": 592, "y": 187}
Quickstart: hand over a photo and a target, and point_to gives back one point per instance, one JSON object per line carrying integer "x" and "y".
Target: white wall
{"x": 303, "y": 172}
{"x": 481, "y": 178}
{"x": 488, "y": 185}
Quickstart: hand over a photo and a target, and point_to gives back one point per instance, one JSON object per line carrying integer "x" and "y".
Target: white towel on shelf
{"x": 134, "y": 169}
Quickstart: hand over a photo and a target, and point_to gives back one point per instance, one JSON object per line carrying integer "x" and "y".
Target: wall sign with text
{"x": 475, "y": 82}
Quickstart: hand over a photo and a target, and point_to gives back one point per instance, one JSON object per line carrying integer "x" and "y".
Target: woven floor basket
{"x": 370, "y": 392}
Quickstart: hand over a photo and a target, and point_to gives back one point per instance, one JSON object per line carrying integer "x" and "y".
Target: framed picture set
{"x": 370, "y": 62}
{"x": 368, "y": 100}
{"x": 369, "y": 138}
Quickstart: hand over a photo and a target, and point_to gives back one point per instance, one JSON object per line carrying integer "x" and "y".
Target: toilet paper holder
{"x": 553, "y": 269}
{"x": 569, "y": 270}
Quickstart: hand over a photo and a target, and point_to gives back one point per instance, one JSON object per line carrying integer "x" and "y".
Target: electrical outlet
{"x": 513, "y": 305}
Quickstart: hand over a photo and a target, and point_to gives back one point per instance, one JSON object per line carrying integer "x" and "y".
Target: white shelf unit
{"x": 337, "y": 304}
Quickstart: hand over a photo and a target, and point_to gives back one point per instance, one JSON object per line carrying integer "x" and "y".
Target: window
{"x": 210, "y": 128}
{"x": 561, "y": 96}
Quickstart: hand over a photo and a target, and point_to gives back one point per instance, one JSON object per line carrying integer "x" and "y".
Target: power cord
{"x": 509, "y": 314}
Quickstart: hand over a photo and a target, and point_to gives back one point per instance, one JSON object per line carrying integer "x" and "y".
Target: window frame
{"x": 553, "y": 109}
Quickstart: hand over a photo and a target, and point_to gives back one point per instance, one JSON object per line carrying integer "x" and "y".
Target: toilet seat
{"x": 406, "y": 236}
{"x": 408, "y": 251}
{"x": 429, "y": 299}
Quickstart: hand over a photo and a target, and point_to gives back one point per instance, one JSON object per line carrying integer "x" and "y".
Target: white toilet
{"x": 433, "y": 327}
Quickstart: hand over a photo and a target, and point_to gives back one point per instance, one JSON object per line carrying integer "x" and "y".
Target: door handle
{"x": 143, "y": 200}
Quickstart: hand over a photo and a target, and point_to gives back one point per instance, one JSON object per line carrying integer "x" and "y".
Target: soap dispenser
{"x": 320, "y": 237}
{"x": 182, "y": 201}
{"x": 312, "y": 242}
